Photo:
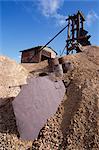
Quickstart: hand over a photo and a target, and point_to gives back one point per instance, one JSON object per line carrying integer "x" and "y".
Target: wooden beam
{"x": 72, "y": 29}
{"x": 82, "y": 37}
{"x": 82, "y": 16}
{"x": 78, "y": 25}
{"x": 68, "y": 31}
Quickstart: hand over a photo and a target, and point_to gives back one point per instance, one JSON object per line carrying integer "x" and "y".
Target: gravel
{"x": 75, "y": 125}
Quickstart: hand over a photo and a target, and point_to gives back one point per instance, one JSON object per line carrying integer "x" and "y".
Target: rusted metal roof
{"x": 37, "y": 48}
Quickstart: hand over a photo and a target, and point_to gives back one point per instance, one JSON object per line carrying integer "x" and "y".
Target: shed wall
{"x": 36, "y": 56}
{"x": 28, "y": 56}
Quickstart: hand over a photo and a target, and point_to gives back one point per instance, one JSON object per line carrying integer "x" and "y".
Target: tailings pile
{"x": 75, "y": 125}
{"x": 12, "y": 75}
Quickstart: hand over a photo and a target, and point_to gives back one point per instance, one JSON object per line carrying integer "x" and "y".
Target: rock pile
{"x": 9, "y": 136}
{"x": 12, "y": 75}
{"x": 75, "y": 126}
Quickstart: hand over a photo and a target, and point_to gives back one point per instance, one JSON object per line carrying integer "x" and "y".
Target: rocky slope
{"x": 12, "y": 75}
{"x": 75, "y": 125}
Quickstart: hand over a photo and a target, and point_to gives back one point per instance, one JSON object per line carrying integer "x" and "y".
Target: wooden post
{"x": 82, "y": 24}
{"x": 73, "y": 30}
{"x": 68, "y": 31}
{"x": 78, "y": 25}
{"x": 40, "y": 56}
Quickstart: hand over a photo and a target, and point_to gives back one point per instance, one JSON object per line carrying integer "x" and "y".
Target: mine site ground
{"x": 75, "y": 123}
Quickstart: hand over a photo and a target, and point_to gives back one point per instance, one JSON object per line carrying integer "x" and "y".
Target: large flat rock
{"x": 37, "y": 101}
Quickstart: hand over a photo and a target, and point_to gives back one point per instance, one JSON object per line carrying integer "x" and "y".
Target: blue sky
{"x": 28, "y": 23}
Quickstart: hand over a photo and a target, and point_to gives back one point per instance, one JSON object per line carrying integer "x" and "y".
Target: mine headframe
{"x": 76, "y": 35}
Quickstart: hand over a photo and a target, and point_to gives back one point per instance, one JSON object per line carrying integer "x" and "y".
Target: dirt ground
{"x": 75, "y": 125}
{"x": 12, "y": 75}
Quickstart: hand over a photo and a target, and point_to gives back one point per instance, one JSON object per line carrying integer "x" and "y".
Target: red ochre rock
{"x": 37, "y": 101}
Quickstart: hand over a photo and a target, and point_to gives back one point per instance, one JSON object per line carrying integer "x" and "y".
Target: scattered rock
{"x": 11, "y": 75}
{"x": 75, "y": 124}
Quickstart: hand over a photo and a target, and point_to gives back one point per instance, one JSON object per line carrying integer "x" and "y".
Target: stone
{"x": 37, "y": 101}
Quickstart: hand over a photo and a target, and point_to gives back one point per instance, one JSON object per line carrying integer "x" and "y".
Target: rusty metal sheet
{"x": 37, "y": 101}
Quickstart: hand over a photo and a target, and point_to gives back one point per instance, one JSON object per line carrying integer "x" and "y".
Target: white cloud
{"x": 92, "y": 16}
{"x": 60, "y": 19}
{"x": 49, "y": 8}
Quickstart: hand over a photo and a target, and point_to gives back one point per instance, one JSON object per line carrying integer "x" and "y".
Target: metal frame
{"x": 75, "y": 32}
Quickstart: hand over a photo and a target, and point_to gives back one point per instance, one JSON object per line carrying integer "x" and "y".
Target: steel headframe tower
{"x": 76, "y": 33}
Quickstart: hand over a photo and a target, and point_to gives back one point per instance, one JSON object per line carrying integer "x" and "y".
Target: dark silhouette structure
{"x": 76, "y": 34}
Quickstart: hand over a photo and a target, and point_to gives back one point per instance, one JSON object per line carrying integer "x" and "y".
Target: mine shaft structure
{"x": 76, "y": 35}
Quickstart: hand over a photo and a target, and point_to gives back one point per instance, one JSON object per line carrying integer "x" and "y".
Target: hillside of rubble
{"x": 75, "y": 124}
